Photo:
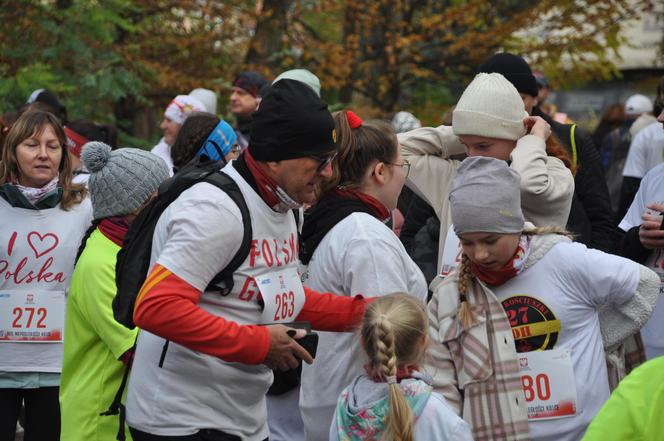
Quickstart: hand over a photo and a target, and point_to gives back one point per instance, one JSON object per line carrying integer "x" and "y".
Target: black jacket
{"x": 590, "y": 217}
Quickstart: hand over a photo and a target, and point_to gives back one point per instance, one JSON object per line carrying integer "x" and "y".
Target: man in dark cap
{"x": 202, "y": 363}
{"x": 590, "y": 217}
{"x": 245, "y": 97}
{"x": 48, "y": 98}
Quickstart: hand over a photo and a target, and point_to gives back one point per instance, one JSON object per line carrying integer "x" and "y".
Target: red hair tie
{"x": 354, "y": 121}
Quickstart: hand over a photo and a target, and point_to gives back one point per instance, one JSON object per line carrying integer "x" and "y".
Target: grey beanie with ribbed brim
{"x": 486, "y": 197}
{"x": 121, "y": 180}
{"x": 490, "y": 107}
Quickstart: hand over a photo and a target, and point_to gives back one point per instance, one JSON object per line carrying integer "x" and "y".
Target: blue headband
{"x": 219, "y": 143}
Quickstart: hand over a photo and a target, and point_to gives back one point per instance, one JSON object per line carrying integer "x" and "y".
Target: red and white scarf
{"x": 275, "y": 196}
{"x": 511, "y": 268}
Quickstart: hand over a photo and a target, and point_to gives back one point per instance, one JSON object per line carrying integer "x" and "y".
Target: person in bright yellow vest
{"x": 97, "y": 348}
{"x": 635, "y": 408}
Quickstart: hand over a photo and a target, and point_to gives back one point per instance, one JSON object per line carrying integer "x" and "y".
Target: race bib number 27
{"x": 27, "y": 317}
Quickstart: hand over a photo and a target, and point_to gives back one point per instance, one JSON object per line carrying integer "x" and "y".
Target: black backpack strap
{"x": 223, "y": 281}
{"x": 116, "y": 406}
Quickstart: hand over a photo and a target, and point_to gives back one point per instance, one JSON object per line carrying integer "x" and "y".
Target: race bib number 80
{"x": 27, "y": 317}
{"x": 547, "y": 379}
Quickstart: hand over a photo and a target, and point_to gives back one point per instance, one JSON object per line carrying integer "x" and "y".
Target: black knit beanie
{"x": 291, "y": 122}
{"x": 515, "y": 69}
{"x": 251, "y": 81}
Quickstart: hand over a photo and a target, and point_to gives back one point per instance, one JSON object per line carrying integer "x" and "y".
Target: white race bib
{"x": 283, "y": 295}
{"x": 32, "y": 317}
{"x": 547, "y": 379}
{"x": 451, "y": 253}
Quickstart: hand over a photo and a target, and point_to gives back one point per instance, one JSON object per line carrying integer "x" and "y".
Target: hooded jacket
{"x": 363, "y": 406}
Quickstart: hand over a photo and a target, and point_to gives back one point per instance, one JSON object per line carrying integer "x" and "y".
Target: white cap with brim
{"x": 637, "y": 105}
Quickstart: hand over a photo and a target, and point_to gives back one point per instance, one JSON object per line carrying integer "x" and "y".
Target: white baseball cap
{"x": 638, "y": 104}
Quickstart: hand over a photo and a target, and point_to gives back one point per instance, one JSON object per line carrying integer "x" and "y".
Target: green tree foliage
{"x": 121, "y": 61}
{"x": 67, "y": 47}
{"x": 389, "y": 48}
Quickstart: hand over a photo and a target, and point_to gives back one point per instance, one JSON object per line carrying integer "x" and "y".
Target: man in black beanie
{"x": 590, "y": 217}
{"x": 244, "y": 100}
{"x": 214, "y": 353}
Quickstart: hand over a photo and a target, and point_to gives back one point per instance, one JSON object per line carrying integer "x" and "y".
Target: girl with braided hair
{"x": 394, "y": 400}
{"x": 517, "y": 348}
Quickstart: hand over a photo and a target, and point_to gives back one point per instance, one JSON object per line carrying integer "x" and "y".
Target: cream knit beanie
{"x": 491, "y": 107}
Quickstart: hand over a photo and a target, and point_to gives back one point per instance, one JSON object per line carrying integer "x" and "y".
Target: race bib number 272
{"x": 27, "y": 317}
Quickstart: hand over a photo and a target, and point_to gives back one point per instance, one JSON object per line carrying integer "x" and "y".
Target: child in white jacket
{"x": 394, "y": 400}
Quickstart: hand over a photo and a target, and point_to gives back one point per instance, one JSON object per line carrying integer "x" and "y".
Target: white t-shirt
{"x": 651, "y": 191}
{"x": 195, "y": 238}
{"x": 645, "y": 152}
{"x": 163, "y": 150}
{"x": 37, "y": 252}
{"x": 359, "y": 255}
{"x": 557, "y": 299}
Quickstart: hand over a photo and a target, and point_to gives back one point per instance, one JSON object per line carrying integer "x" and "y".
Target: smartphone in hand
{"x": 309, "y": 342}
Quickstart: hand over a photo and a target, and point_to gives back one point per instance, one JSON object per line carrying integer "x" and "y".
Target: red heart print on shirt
{"x": 42, "y": 244}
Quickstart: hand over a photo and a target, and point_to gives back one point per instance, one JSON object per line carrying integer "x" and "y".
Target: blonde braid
{"x": 399, "y": 419}
{"x": 385, "y": 353}
{"x": 465, "y": 275}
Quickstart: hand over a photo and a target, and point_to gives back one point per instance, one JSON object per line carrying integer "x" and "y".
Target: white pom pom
{"x": 95, "y": 155}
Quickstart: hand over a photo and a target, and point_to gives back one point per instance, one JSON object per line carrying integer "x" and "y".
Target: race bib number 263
{"x": 283, "y": 295}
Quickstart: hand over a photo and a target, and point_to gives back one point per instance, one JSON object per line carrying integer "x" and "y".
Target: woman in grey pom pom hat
{"x": 97, "y": 347}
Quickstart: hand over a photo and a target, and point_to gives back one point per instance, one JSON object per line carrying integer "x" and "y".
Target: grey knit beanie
{"x": 486, "y": 197}
{"x": 302, "y": 75}
{"x": 490, "y": 107}
{"x": 121, "y": 180}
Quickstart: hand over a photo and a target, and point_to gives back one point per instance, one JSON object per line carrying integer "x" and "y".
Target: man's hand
{"x": 284, "y": 352}
{"x": 650, "y": 235}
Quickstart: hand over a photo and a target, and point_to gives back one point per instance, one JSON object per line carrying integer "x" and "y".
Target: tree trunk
{"x": 268, "y": 41}
{"x": 350, "y": 29}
